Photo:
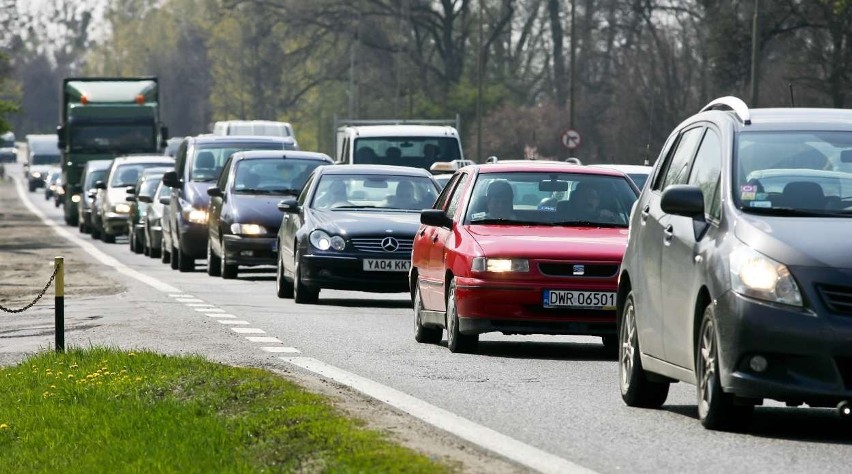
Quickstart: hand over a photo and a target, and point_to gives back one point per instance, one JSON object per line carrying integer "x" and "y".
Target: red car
{"x": 521, "y": 248}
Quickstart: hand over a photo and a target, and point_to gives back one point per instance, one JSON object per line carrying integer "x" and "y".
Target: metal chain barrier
{"x": 40, "y": 295}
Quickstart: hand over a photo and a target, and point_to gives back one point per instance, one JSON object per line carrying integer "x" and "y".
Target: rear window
{"x": 209, "y": 158}
{"x": 273, "y": 175}
{"x": 417, "y": 152}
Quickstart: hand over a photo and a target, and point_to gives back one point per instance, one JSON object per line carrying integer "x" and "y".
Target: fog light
{"x": 758, "y": 363}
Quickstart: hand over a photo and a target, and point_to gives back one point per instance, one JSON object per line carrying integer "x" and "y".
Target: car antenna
{"x": 792, "y": 99}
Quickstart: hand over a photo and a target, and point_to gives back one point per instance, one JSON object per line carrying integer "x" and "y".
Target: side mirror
{"x": 130, "y": 199}
{"x": 435, "y": 218}
{"x": 164, "y": 134}
{"x": 131, "y": 190}
{"x": 144, "y": 198}
{"x": 289, "y": 205}
{"x": 170, "y": 179}
{"x": 100, "y": 185}
{"x": 60, "y": 134}
{"x": 92, "y": 193}
{"x": 688, "y": 201}
{"x": 165, "y": 200}
{"x": 214, "y": 191}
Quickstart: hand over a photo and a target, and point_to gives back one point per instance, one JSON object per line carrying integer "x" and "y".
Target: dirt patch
{"x": 27, "y": 251}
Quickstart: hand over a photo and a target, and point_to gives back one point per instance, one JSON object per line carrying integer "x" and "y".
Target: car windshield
{"x": 374, "y": 191}
{"x": 93, "y": 177}
{"x": 550, "y": 198}
{"x": 273, "y": 175}
{"x": 418, "y": 152}
{"x": 794, "y": 173}
{"x": 164, "y": 191}
{"x": 639, "y": 179}
{"x": 149, "y": 187}
{"x": 46, "y": 159}
{"x": 209, "y": 159}
{"x": 128, "y": 174}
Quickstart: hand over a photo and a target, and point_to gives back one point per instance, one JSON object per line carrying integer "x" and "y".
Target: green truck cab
{"x": 105, "y": 117}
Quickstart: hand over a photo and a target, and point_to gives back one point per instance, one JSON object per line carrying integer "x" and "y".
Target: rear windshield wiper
{"x": 793, "y": 212}
{"x": 588, "y": 224}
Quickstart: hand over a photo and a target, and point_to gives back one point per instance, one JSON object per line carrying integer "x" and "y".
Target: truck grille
{"x": 596, "y": 270}
{"x": 380, "y": 245}
{"x": 837, "y": 298}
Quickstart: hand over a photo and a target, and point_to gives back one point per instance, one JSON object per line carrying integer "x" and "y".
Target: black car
{"x": 351, "y": 228}
{"x": 737, "y": 275}
{"x": 244, "y": 219}
{"x": 198, "y": 163}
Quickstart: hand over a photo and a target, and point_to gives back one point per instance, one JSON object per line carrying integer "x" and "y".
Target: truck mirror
{"x": 60, "y": 134}
{"x": 164, "y": 133}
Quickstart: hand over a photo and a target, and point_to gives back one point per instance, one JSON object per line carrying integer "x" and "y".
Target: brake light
{"x": 84, "y": 100}
{"x": 140, "y": 99}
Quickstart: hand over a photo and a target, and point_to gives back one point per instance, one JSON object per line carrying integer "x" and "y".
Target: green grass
{"x": 103, "y": 410}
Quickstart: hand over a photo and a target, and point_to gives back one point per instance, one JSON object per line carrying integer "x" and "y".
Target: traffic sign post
{"x": 571, "y": 139}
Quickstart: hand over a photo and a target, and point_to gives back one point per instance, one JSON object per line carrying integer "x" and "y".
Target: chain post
{"x": 59, "y": 292}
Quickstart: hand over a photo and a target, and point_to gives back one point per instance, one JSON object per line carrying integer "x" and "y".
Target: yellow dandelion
{"x": 70, "y": 376}
{"x": 132, "y": 354}
{"x": 4, "y": 426}
{"x": 138, "y": 379}
{"x": 53, "y": 386}
{"x": 73, "y": 366}
{"x": 45, "y": 394}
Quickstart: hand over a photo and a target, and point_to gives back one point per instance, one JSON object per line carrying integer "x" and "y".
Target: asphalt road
{"x": 557, "y": 394}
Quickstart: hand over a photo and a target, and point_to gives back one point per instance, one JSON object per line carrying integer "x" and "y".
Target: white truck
{"x": 414, "y": 143}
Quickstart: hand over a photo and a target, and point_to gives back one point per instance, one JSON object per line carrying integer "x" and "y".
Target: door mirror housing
{"x": 100, "y": 185}
{"x": 214, "y": 191}
{"x": 435, "y": 218}
{"x": 165, "y": 200}
{"x": 687, "y": 201}
{"x": 131, "y": 190}
{"x": 130, "y": 199}
{"x": 289, "y": 205}
{"x": 145, "y": 199}
{"x": 170, "y": 179}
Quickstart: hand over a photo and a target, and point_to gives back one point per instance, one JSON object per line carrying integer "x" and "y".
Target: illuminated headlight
{"x": 195, "y": 216}
{"x": 758, "y": 276}
{"x": 500, "y": 265}
{"x": 248, "y": 229}
{"x": 121, "y": 208}
{"x": 36, "y": 174}
{"x": 323, "y": 241}
{"x": 59, "y": 190}
{"x": 75, "y": 198}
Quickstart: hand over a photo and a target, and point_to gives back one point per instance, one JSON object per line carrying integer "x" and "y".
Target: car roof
{"x": 99, "y": 164}
{"x": 543, "y": 167}
{"x": 209, "y": 138}
{"x": 625, "y": 168}
{"x": 776, "y": 119}
{"x": 374, "y": 169}
{"x": 144, "y": 159}
{"x": 303, "y": 155}
{"x": 402, "y": 130}
{"x": 156, "y": 170}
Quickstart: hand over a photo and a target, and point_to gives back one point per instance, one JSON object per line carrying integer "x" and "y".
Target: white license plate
{"x": 578, "y": 299}
{"x": 386, "y": 265}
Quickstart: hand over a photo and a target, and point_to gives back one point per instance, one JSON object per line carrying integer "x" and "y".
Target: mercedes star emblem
{"x": 389, "y": 244}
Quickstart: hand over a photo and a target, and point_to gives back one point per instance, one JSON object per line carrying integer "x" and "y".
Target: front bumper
{"x": 250, "y": 251}
{"x": 155, "y": 237}
{"x": 346, "y": 272}
{"x": 516, "y": 307}
{"x": 115, "y": 223}
{"x": 809, "y": 354}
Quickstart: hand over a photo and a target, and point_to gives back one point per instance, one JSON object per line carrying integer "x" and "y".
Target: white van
{"x": 264, "y": 128}
{"x": 417, "y": 146}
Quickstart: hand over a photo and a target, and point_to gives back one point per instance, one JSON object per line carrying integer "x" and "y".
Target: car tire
{"x": 283, "y": 288}
{"x": 173, "y": 261}
{"x": 214, "y": 263}
{"x": 636, "y": 389}
{"x": 155, "y": 253}
{"x": 165, "y": 255}
{"x": 106, "y": 237}
{"x": 185, "y": 264}
{"x": 138, "y": 245}
{"x": 301, "y": 293}
{"x": 717, "y": 410}
{"x": 132, "y": 243}
{"x": 96, "y": 234}
{"x": 424, "y": 334}
{"x": 456, "y": 341}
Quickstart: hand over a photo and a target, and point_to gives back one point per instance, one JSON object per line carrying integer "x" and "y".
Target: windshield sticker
{"x": 478, "y": 216}
{"x": 747, "y": 192}
{"x": 761, "y": 204}
{"x": 747, "y": 196}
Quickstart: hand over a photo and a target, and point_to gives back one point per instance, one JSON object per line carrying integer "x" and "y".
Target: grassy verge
{"x": 104, "y": 410}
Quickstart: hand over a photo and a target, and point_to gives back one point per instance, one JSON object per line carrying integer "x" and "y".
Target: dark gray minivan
{"x": 198, "y": 163}
{"x": 738, "y": 275}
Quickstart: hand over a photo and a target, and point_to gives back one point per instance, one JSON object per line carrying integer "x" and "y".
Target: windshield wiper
{"x": 588, "y": 224}
{"x": 290, "y": 191}
{"x": 354, "y": 207}
{"x": 495, "y": 220}
{"x": 253, "y": 191}
{"x": 793, "y": 212}
{"x": 205, "y": 180}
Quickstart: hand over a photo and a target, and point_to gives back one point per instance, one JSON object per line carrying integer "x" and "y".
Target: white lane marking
{"x": 280, "y": 349}
{"x": 181, "y": 295}
{"x": 200, "y": 305}
{"x": 209, "y": 310}
{"x": 264, "y": 339}
{"x": 248, "y": 330}
{"x": 90, "y": 248}
{"x": 221, "y": 315}
{"x": 189, "y": 300}
{"x": 232, "y": 321}
{"x": 487, "y": 438}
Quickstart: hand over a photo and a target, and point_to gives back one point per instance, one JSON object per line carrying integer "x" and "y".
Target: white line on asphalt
{"x": 189, "y": 300}
{"x": 209, "y": 310}
{"x": 232, "y": 321}
{"x": 248, "y": 330}
{"x": 181, "y": 295}
{"x": 487, "y": 438}
{"x": 281, "y": 349}
{"x": 199, "y": 305}
{"x": 91, "y": 249}
{"x": 221, "y": 315}
{"x": 263, "y": 339}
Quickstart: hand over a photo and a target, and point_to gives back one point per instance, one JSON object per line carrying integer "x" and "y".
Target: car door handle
{"x": 668, "y": 233}
{"x": 422, "y": 231}
{"x": 435, "y": 238}
{"x": 646, "y": 211}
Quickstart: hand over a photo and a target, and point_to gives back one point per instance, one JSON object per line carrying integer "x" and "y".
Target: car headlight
{"x": 500, "y": 265}
{"x": 756, "y": 275}
{"x": 321, "y": 240}
{"x": 121, "y": 208}
{"x": 248, "y": 229}
{"x": 75, "y": 198}
{"x": 193, "y": 215}
{"x": 36, "y": 174}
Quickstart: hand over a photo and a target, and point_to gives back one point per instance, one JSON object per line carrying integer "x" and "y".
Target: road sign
{"x": 571, "y": 139}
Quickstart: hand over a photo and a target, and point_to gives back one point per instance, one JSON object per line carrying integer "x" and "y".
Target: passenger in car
{"x": 338, "y": 195}
{"x": 585, "y": 205}
{"x": 499, "y": 201}
{"x": 404, "y": 198}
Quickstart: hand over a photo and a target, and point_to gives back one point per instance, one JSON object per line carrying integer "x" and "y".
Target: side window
{"x": 222, "y": 182}
{"x": 304, "y": 195}
{"x": 706, "y": 172}
{"x": 344, "y": 152}
{"x": 675, "y": 169}
{"x": 180, "y": 157}
{"x": 441, "y": 202}
{"x": 457, "y": 195}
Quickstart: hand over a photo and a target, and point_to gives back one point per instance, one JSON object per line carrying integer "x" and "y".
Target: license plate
{"x": 579, "y": 299}
{"x": 386, "y": 265}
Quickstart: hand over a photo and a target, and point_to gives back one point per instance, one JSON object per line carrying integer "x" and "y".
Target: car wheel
{"x": 96, "y": 234}
{"x": 283, "y": 288}
{"x": 214, "y": 263}
{"x": 138, "y": 245}
{"x": 132, "y": 242}
{"x": 456, "y": 341}
{"x": 424, "y": 334}
{"x": 107, "y": 237}
{"x": 173, "y": 262}
{"x": 165, "y": 255}
{"x": 636, "y": 389}
{"x": 185, "y": 264}
{"x": 717, "y": 410}
{"x": 301, "y": 293}
{"x": 229, "y": 270}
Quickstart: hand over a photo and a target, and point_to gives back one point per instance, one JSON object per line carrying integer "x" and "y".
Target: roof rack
{"x": 731, "y": 103}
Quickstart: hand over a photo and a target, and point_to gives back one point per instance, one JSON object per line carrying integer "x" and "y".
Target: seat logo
{"x": 390, "y": 244}
{"x": 579, "y": 270}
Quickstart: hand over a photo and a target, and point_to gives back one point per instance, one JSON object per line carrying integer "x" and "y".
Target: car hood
{"x": 798, "y": 241}
{"x": 559, "y": 243}
{"x": 355, "y": 223}
{"x": 196, "y": 194}
{"x": 256, "y": 209}
{"x": 117, "y": 195}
